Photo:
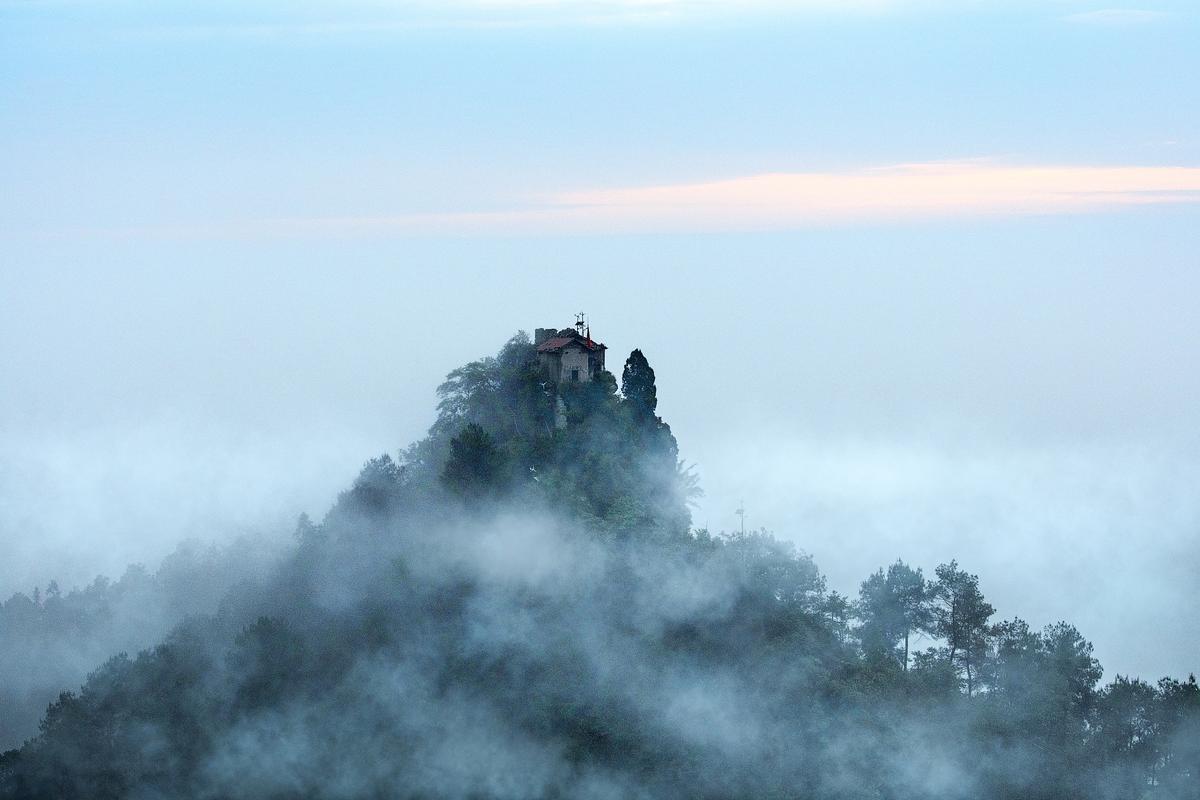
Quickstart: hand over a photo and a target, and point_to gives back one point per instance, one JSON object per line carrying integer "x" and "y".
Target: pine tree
{"x": 961, "y": 618}
{"x": 892, "y": 606}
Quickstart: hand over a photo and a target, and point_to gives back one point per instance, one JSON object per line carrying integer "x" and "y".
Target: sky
{"x": 918, "y": 278}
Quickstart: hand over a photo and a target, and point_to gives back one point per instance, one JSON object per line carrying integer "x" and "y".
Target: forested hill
{"x": 516, "y": 610}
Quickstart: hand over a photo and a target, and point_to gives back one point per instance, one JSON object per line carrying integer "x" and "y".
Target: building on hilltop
{"x": 569, "y": 355}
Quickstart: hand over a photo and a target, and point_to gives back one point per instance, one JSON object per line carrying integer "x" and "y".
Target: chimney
{"x": 540, "y": 335}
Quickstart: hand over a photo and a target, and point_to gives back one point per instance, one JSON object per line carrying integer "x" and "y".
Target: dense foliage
{"x": 51, "y": 639}
{"x": 515, "y": 609}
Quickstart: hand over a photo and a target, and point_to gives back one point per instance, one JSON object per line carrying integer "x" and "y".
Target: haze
{"x": 239, "y": 250}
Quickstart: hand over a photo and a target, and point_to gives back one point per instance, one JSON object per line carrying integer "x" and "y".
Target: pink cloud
{"x": 774, "y": 201}
{"x": 945, "y": 189}
{"x": 781, "y": 201}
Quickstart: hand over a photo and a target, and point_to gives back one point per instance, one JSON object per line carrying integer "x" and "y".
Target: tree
{"x": 307, "y": 533}
{"x": 1177, "y": 721}
{"x": 1123, "y": 735}
{"x": 604, "y": 632}
{"x": 268, "y": 658}
{"x": 476, "y": 467}
{"x": 375, "y": 489}
{"x": 1074, "y": 672}
{"x": 637, "y": 385}
{"x": 504, "y": 394}
{"x": 773, "y": 569}
{"x": 892, "y": 606}
{"x": 1016, "y": 664}
{"x": 961, "y": 618}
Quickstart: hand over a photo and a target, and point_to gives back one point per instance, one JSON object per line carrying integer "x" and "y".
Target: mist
{"x": 510, "y": 399}
{"x": 1040, "y": 420}
{"x": 1104, "y": 536}
{"x": 92, "y": 501}
{"x": 522, "y": 604}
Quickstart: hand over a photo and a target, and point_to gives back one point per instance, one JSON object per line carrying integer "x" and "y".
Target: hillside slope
{"x": 514, "y": 610}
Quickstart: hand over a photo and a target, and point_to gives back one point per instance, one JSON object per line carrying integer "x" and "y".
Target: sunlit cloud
{"x": 765, "y": 202}
{"x": 904, "y": 191}
{"x": 782, "y": 201}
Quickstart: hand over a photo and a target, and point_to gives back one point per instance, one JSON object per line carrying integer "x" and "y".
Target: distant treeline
{"x": 51, "y": 639}
{"x": 516, "y": 610}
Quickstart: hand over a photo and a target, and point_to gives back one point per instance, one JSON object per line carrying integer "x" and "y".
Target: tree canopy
{"x": 514, "y": 609}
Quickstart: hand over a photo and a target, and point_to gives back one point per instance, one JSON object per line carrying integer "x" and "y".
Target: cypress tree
{"x": 637, "y": 385}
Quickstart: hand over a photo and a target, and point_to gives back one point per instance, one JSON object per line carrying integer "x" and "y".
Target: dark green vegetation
{"x": 51, "y": 639}
{"x": 511, "y": 610}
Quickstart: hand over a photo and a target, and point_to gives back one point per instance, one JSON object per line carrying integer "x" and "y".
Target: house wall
{"x": 574, "y": 358}
{"x": 550, "y": 365}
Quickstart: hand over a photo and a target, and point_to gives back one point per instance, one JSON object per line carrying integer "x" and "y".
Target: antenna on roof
{"x": 579, "y": 323}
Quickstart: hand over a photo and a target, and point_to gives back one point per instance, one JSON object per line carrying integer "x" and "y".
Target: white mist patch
{"x": 92, "y": 501}
{"x": 1104, "y": 535}
{"x": 713, "y": 711}
{"x": 530, "y": 549}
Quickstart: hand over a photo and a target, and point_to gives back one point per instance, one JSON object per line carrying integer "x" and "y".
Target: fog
{"x": 527, "y": 619}
{"x": 1037, "y": 422}
{"x": 1103, "y": 536}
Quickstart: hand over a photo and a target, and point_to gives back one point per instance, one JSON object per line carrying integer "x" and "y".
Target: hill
{"x": 515, "y": 608}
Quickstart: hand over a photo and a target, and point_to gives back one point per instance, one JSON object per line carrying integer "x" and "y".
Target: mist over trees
{"x": 50, "y": 639}
{"x": 515, "y": 609}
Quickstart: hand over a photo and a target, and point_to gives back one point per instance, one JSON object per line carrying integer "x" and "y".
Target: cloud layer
{"x": 794, "y": 200}
{"x": 904, "y": 191}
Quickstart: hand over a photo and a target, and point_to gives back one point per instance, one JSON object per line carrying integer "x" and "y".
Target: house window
{"x": 575, "y": 375}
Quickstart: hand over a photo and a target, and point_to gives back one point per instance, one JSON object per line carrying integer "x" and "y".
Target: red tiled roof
{"x": 559, "y": 342}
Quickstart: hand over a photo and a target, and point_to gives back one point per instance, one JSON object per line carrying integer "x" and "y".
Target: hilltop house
{"x": 569, "y": 355}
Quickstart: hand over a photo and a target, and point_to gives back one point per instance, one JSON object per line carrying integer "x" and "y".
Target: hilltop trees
{"x": 514, "y": 609}
{"x": 1145, "y": 735}
{"x": 1177, "y": 715}
{"x": 961, "y": 617}
{"x": 637, "y": 385}
{"x": 615, "y": 463}
{"x": 894, "y": 605}
{"x": 505, "y": 396}
{"x": 1074, "y": 669}
{"x": 376, "y": 487}
{"x": 476, "y": 467}
{"x": 52, "y": 645}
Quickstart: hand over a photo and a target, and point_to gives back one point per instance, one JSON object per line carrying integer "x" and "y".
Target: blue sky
{"x": 215, "y": 119}
{"x": 918, "y": 277}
